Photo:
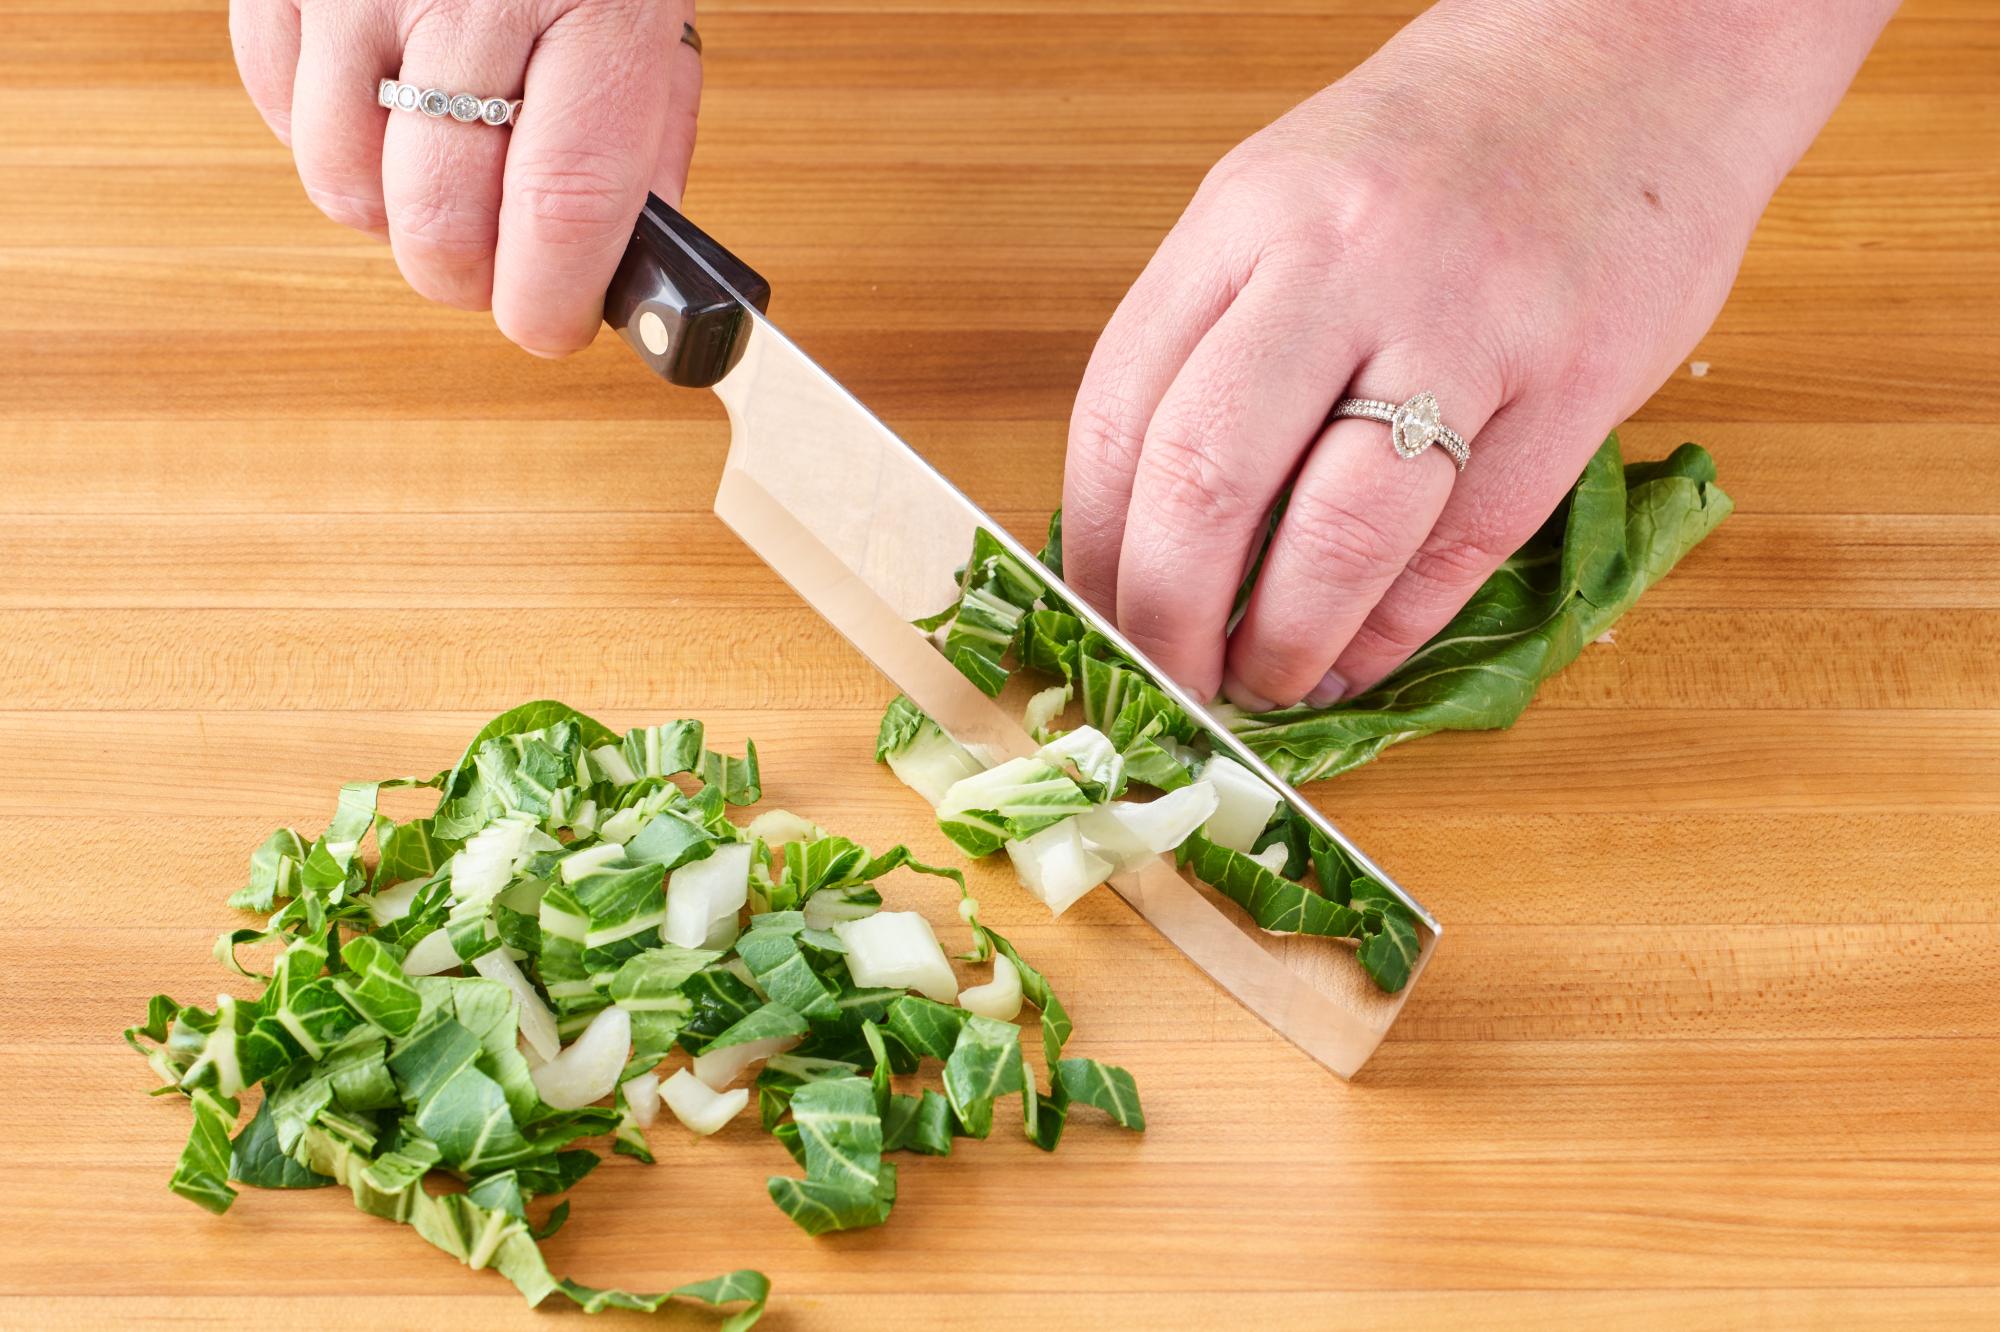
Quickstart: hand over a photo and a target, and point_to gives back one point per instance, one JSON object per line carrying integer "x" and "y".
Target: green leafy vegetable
{"x": 1622, "y": 528}
{"x": 542, "y": 880}
{"x": 1620, "y": 532}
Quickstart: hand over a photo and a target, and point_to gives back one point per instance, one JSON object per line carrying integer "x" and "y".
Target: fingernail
{"x": 1244, "y": 698}
{"x": 1329, "y": 691}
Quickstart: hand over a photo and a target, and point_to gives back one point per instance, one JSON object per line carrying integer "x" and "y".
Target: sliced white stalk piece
{"x": 642, "y": 1098}
{"x": 706, "y": 894}
{"x": 779, "y": 827}
{"x": 393, "y": 903}
{"x": 609, "y": 760}
{"x": 1044, "y": 708}
{"x": 621, "y": 826}
{"x": 485, "y": 864}
{"x": 579, "y": 863}
{"x": 721, "y": 934}
{"x": 698, "y": 1106}
{"x": 1273, "y": 857}
{"x": 1054, "y": 865}
{"x": 897, "y": 949}
{"x": 1129, "y": 834}
{"x": 931, "y": 763}
{"x": 999, "y": 998}
{"x": 1244, "y": 804}
{"x": 1096, "y": 759}
{"x": 538, "y": 1024}
{"x": 587, "y": 1070}
{"x": 990, "y": 789}
{"x": 719, "y": 1068}
{"x": 430, "y": 955}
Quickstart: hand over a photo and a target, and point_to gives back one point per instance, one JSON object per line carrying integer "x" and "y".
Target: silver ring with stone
{"x": 1413, "y": 426}
{"x": 465, "y": 108}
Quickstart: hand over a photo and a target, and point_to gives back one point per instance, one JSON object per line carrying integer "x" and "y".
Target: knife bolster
{"x": 681, "y": 300}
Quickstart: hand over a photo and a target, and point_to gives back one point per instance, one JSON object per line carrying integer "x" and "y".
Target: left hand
{"x": 1496, "y": 207}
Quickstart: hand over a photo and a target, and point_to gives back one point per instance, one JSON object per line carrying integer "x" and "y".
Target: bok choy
{"x": 578, "y": 934}
{"x": 1058, "y": 815}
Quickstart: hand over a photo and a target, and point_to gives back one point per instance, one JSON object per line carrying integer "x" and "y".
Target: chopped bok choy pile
{"x": 1061, "y": 814}
{"x": 577, "y": 938}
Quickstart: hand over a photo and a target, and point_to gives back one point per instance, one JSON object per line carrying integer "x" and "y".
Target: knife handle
{"x": 681, "y": 300}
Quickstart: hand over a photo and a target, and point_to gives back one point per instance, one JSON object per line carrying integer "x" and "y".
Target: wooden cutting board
{"x": 1714, "y": 1036}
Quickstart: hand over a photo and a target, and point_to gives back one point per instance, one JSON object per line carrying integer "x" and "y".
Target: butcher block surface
{"x": 1713, "y": 1033}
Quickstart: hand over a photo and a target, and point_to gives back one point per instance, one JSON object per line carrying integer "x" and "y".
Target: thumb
{"x": 670, "y": 171}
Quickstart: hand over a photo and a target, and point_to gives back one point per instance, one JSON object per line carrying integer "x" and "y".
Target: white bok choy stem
{"x": 1129, "y": 833}
{"x": 704, "y": 896}
{"x": 932, "y": 763}
{"x": 999, "y": 998}
{"x": 897, "y": 949}
{"x": 587, "y": 1071}
{"x": 430, "y": 955}
{"x": 538, "y": 1024}
{"x": 781, "y": 827}
{"x": 1096, "y": 759}
{"x": 642, "y": 1098}
{"x": 699, "y": 1106}
{"x": 1054, "y": 865}
{"x": 1244, "y": 804}
{"x": 622, "y": 826}
{"x": 1043, "y": 709}
{"x": 392, "y": 904}
{"x": 718, "y": 1068}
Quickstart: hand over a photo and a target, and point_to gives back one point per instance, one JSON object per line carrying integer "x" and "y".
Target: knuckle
{"x": 1189, "y": 483}
{"x": 1454, "y": 565}
{"x": 1338, "y": 545}
{"x": 1380, "y": 645}
{"x": 1099, "y": 435}
{"x": 580, "y": 202}
{"x": 450, "y": 230}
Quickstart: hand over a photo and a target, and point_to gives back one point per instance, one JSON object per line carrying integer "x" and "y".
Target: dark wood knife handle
{"x": 679, "y": 298}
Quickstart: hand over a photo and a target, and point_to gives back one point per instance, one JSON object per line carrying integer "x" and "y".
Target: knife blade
{"x": 869, "y": 534}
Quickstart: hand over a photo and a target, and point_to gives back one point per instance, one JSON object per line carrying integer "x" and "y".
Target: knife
{"x": 870, "y": 534}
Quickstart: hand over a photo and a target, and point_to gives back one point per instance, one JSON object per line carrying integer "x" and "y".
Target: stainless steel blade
{"x": 868, "y": 533}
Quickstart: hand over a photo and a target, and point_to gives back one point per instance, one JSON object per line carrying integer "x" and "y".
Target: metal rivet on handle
{"x": 653, "y": 332}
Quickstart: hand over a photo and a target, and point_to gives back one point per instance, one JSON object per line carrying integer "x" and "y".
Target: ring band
{"x": 1413, "y": 427}
{"x": 468, "y": 108}
{"x": 436, "y": 103}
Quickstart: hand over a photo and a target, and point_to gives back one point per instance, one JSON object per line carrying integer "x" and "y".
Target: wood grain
{"x": 1713, "y": 1038}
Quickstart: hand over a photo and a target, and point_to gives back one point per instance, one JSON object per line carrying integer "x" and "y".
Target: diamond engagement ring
{"x": 466, "y": 108}
{"x": 1413, "y": 427}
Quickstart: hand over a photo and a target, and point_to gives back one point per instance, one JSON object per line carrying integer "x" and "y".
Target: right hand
{"x": 529, "y": 222}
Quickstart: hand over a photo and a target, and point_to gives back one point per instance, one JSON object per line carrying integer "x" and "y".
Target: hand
{"x": 529, "y": 221}
{"x": 1533, "y": 208}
